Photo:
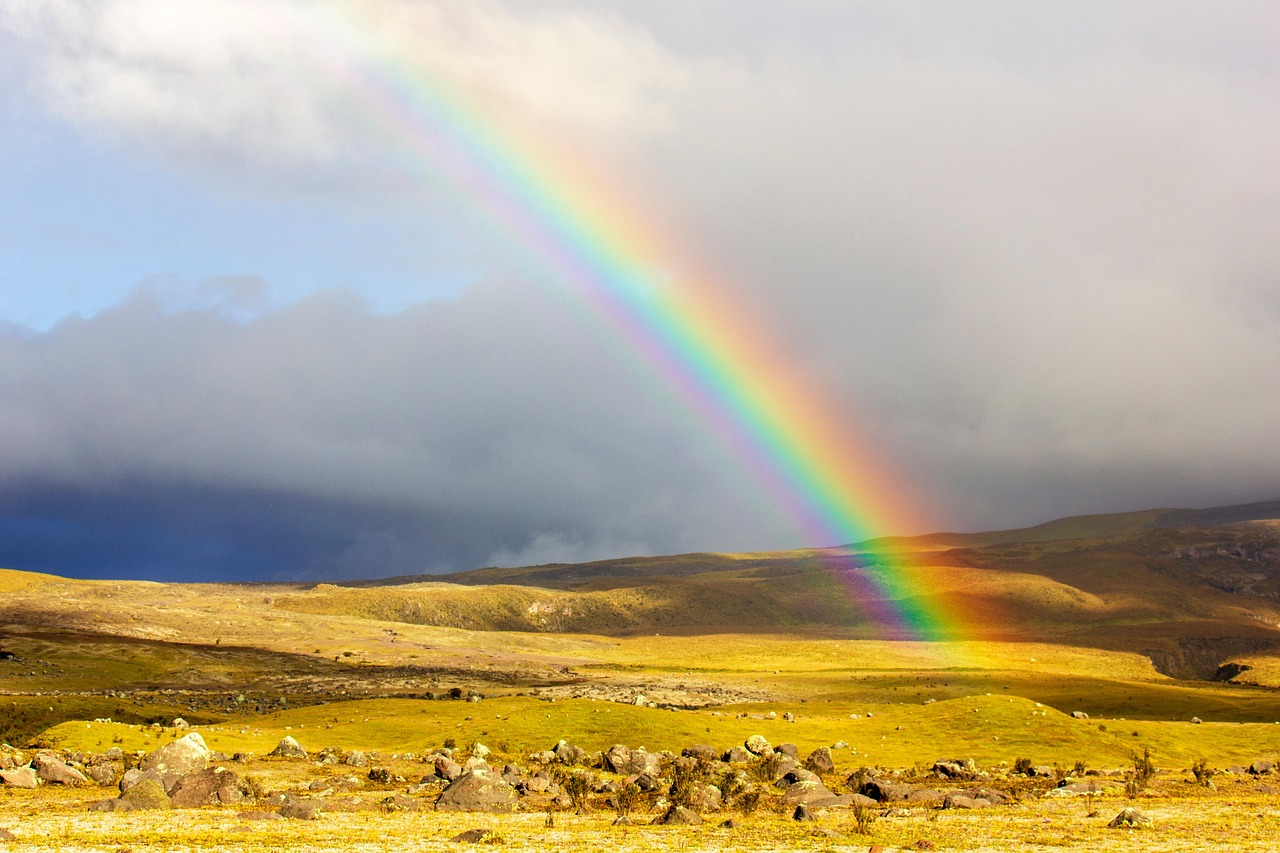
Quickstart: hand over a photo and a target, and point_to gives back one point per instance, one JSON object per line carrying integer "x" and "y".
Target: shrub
{"x": 1203, "y": 772}
{"x": 1023, "y": 766}
{"x": 1143, "y": 771}
{"x": 863, "y": 817}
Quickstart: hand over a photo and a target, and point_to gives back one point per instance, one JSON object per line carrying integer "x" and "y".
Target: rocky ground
{"x": 752, "y": 796}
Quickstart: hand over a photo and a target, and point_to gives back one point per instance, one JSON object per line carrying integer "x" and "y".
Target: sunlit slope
{"x": 988, "y": 729}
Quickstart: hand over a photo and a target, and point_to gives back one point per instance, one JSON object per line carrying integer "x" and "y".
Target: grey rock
{"x": 299, "y": 809}
{"x": 820, "y": 761}
{"x": 55, "y": 771}
{"x": 883, "y": 792}
{"x": 356, "y": 758}
{"x": 187, "y": 754}
{"x": 476, "y": 792}
{"x": 737, "y": 755}
{"x": 102, "y": 773}
{"x": 20, "y": 777}
{"x": 1129, "y": 818}
{"x": 6, "y": 835}
{"x": 678, "y": 816}
{"x": 758, "y": 745}
{"x": 469, "y": 836}
{"x": 288, "y": 748}
{"x": 803, "y": 813}
{"x": 147, "y": 794}
{"x": 210, "y": 787}
{"x": 701, "y": 751}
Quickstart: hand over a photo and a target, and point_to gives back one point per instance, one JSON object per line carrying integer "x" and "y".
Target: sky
{"x": 254, "y": 326}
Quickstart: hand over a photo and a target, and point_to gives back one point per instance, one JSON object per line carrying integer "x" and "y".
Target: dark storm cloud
{"x": 328, "y": 441}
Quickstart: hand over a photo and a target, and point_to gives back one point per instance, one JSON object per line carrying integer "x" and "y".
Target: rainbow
{"x": 699, "y": 340}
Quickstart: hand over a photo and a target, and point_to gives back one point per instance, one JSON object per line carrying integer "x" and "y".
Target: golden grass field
{"x": 727, "y": 646}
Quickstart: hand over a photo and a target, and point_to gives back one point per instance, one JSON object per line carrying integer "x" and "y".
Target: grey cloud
{"x": 451, "y": 435}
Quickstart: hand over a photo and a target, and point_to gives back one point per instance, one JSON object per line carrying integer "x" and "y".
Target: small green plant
{"x": 626, "y": 798}
{"x": 577, "y": 786}
{"x": 1079, "y": 768}
{"x": 863, "y": 817}
{"x": 765, "y": 768}
{"x": 1203, "y": 772}
{"x": 1143, "y": 771}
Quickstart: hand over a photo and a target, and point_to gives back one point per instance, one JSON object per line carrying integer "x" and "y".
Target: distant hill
{"x": 1188, "y": 587}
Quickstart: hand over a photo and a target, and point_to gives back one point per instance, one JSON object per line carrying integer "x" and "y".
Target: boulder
{"x": 806, "y": 793}
{"x": 701, "y": 751}
{"x": 798, "y": 774}
{"x": 188, "y": 754}
{"x": 356, "y": 758}
{"x": 820, "y": 761}
{"x": 883, "y": 792}
{"x": 926, "y": 797}
{"x": 469, "y": 836}
{"x": 758, "y": 745}
{"x": 737, "y": 755}
{"x": 288, "y": 748}
{"x": 802, "y": 813}
{"x": 295, "y": 808}
{"x": 147, "y": 794}
{"x": 102, "y": 773}
{"x": 790, "y": 750}
{"x": 477, "y": 792}
{"x": 1079, "y": 715}
{"x": 623, "y": 761}
{"x": 678, "y": 816}
{"x": 960, "y": 801}
{"x": 20, "y": 777}
{"x": 1129, "y": 818}
{"x": 957, "y": 769}
{"x": 567, "y": 753}
{"x": 1261, "y": 768}
{"x": 55, "y": 771}
{"x": 447, "y": 769}
{"x": 210, "y": 787}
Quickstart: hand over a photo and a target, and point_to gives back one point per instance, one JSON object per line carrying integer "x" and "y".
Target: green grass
{"x": 989, "y": 729}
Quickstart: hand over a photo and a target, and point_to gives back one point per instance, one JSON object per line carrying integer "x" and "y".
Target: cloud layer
{"x": 1030, "y": 251}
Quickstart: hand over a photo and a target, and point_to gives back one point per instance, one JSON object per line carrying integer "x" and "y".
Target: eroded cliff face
{"x": 1207, "y": 658}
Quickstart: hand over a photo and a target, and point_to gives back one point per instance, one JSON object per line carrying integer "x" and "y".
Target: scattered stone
{"x": 355, "y": 758}
{"x": 926, "y": 797}
{"x": 6, "y": 835}
{"x": 57, "y": 772}
{"x": 1195, "y": 721}
{"x": 737, "y": 755}
{"x": 758, "y": 745}
{"x": 384, "y": 776}
{"x": 678, "y": 816}
{"x": 147, "y": 794}
{"x": 625, "y": 762}
{"x": 701, "y": 751}
{"x": 188, "y": 754}
{"x": 20, "y": 777}
{"x": 102, "y": 773}
{"x": 1261, "y": 768}
{"x": 470, "y": 836}
{"x": 1079, "y": 715}
{"x": 210, "y": 787}
{"x": 621, "y": 820}
{"x": 116, "y": 805}
{"x": 566, "y": 753}
{"x": 288, "y": 748}
{"x": 803, "y": 813}
{"x": 1130, "y": 818}
{"x": 299, "y": 809}
{"x": 790, "y": 750}
{"x": 820, "y": 761}
{"x": 479, "y": 750}
{"x": 882, "y": 791}
{"x": 477, "y": 792}
{"x": 957, "y": 769}
{"x": 730, "y": 824}
{"x": 179, "y": 723}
